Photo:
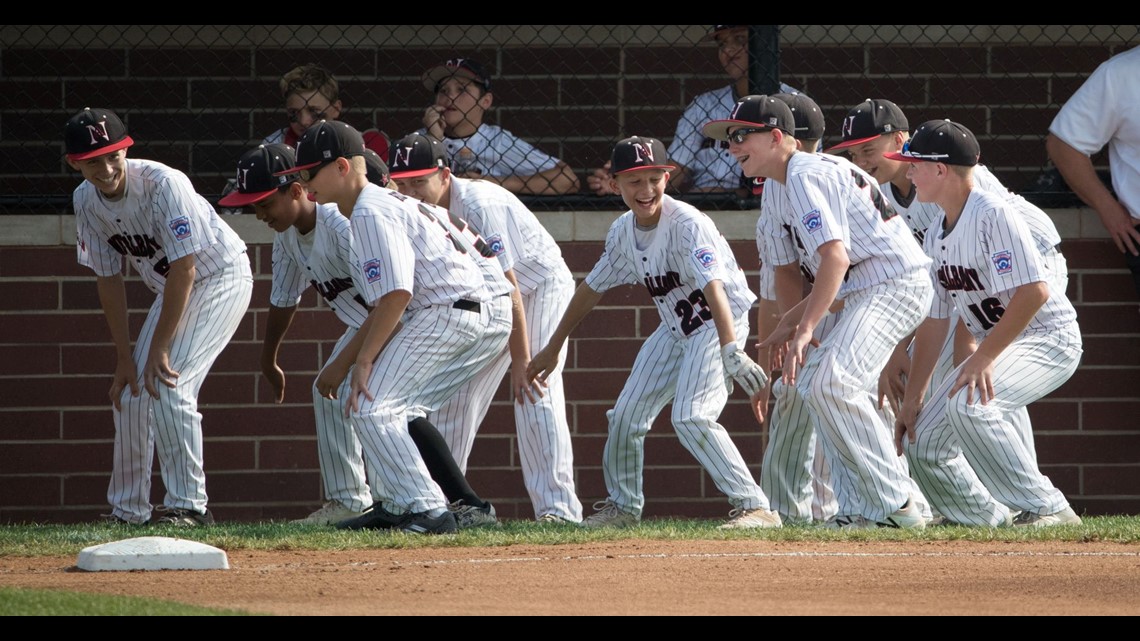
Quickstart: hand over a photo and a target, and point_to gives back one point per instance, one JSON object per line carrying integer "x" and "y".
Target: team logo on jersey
{"x": 1003, "y": 261}
{"x": 496, "y": 245}
{"x": 813, "y": 222}
{"x": 705, "y": 256}
{"x": 180, "y": 227}
{"x": 372, "y": 270}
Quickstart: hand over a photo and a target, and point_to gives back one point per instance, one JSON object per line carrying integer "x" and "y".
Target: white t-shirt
{"x": 1106, "y": 110}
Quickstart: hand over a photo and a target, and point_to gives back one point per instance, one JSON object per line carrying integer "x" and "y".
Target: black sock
{"x": 442, "y": 466}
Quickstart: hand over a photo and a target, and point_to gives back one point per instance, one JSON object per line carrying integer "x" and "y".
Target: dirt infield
{"x": 643, "y": 577}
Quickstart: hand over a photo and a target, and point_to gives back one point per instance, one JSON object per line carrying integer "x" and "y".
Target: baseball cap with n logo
{"x": 256, "y": 174}
{"x": 95, "y": 132}
{"x": 868, "y": 120}
{"x": 762, "y": 112}
{"x": 416, "y": 155}
{"x": 638, "y": 152}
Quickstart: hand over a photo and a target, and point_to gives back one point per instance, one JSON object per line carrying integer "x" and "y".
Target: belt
{"x": 466, "y": 305}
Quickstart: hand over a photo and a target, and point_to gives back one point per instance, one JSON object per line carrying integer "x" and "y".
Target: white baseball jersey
{"x": 494, "y": 151}
{"x": 829, "y": 198}
{"x": 158, "y": 220}
{"x": 512, "y": 233}
{"x": 399, "y": 248}
{"x": 681, "y": 360}
{"x": 712, "y": 166}
{"x": 979, "y": 264}
{"x": 1103, "y": 112}
{"x": 322, "y": 258}
{"x": 976, "y": 462}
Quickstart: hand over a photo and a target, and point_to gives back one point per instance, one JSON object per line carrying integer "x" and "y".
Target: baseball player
{"x": 542, "y": 287}
{"x": 462, "y": 89}
{"x": 794, "y": 474}
{"x": 198, "y": 268}
{"x": 691, "y": 358}
{"x": 411, "y": 264}
{"x": 973, "y": 463}
{"x": 854, "y": 247}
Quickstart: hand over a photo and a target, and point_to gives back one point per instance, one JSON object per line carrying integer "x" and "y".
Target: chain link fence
{"x": 542, "y": 104}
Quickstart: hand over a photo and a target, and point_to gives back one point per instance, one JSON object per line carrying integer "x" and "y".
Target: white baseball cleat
{"x": 609, "y": 515}
{"x": 328, "y": 514}
{"x": 739, "y": 519}
{"x": 907, "y": 517}
{"x": 1065, "y": 517}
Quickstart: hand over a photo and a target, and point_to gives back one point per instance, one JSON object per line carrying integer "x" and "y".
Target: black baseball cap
{"x": 806, "y": 114}
{"x": 763, "y": 112}
{"x": 638, "y": 152}
{"x": 416, "y": 155}
{"x": 377, "y": 168}
{"x": 466, "y": 67}
{"x": 940, "y": 141}
{"x": 326, "y": 141}
{"x": 718, "y": 29}
{"x": 95, "y": 132}
{"x": 870, "y": 119}
{"x": 260, "y": 173}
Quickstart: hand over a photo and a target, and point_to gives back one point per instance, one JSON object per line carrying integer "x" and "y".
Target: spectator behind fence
{"x": 1103, "y": 112}
{"x": 704, "y": 164}
{"x": 462, "y": 89}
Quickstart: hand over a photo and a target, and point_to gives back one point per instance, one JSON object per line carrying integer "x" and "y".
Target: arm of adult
{"x": 1078, "y": 171}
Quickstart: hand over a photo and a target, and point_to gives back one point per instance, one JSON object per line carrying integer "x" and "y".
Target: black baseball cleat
{"x": 374, "y": 518}
{"x": 421, "y": 523}
{"x": 181, "y": 517}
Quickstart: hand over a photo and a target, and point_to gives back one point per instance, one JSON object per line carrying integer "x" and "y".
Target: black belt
{"x": 466, "y": 305}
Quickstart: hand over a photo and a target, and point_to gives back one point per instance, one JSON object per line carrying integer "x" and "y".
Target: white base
{"x": 152, "y": 553}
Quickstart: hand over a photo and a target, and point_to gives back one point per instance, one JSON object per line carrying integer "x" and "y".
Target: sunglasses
{"x": 309, "y": 174}
{"x": 739, "y": 135}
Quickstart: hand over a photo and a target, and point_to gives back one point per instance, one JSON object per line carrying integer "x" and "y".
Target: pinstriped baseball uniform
{"x": 520, "y": 242}
{"x": 886, "y": 293}
{"x": 160, "y": 219}
{"x": 794, "y": 473}
{"x": 680, "y": 361}
{"x": 399, "y": 248}
{"x": 323, "y": 258}
{"x": 974, "y": 464}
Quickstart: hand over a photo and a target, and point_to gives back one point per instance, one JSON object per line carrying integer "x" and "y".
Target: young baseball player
{"x": 413, "y": 267}
{"x": 543, "y": 285}
{"x": 198, "y": 268}
{"x": 794, "y": 474}
{"x": 972, "y": 462}
{"x": 313, "y": 245}
{"x": 856, "y": 250}
{"x": 704, "y": 164}
{"x": 693, "y": 355}
{"x": 463, "y": 96}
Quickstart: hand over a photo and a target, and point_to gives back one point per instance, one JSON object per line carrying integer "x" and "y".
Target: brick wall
{"x": 195, "y": 97}
{"x": 55, "y": 362}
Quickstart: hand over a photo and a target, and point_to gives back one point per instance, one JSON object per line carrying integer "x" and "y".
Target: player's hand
{"x": 126, "y": 374}
{"x": 905, "y": 421}
{"x": 797, "y": 355}
{"x": 433, "y": 121}
{"x": 331, "y": 378}
{"x": 743, "y": 369}
{"x": 599, "y": 181}
{"x": 759, "y": 403}
{"x": 542, "y": 365}
{"x": 276, "y": 377}
{"x": 158, "y": 368}
{"x": 892, "y": 381}
{"x": 977, "y": 373}
{"x": 1122, "y": 227}
{"x": 360, "y": 375}
{"x": 524, "y": 387}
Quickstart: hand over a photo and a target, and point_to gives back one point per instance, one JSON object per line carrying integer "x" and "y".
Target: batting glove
{"x": 743, "y": 369}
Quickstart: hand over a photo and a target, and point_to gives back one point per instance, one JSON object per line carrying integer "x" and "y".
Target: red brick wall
{"x": 56, "y": 430}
